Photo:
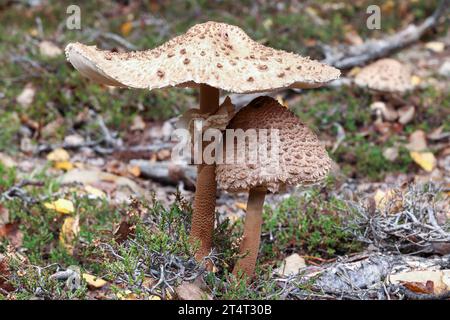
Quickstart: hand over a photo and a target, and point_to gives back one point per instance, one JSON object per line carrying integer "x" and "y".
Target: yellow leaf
{"x": 69, "y": 231}
{"x": 389, "y": 197}
{"x": 425, "y": 160}
{"x": 415, "y": 80}
{"x": 267, "y": 24}
{"x": 435, "y": 46}
{"x": 382, "y": 197}
{"x": 388, "y": 6}
{"x": 33, "y": 32}
{"x": 126, "y": 28}
{"x": 241, "y": 205}
{"x": 354, "y": 71}
{"x": 58, "y": 155}
{"x": 61, "y": 205}
{"x": 126, "y": 295}
{"x": 95, "y": 192}
{"x": 94, "y": 281}
{"x": 63, "y": 165}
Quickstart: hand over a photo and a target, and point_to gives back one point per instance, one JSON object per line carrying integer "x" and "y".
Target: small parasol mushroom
{"x": 212, "y": 56}
{"x": 300, "y": 159}
{"x": 385, "y": 75}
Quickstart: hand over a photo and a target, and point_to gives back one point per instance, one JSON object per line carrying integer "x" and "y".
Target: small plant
{"x": 314, "y": 224}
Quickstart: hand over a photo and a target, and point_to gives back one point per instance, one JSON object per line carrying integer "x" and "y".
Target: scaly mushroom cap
{"x": 387, "y": 75}
{"x": 220, "y": 55}
{"x": 302, "y": 160}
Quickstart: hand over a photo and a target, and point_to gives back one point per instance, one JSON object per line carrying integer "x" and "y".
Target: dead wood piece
{"x": 166, "y": 172}
{"x": 364, "y": 276}
{"x": 344, "y": 57}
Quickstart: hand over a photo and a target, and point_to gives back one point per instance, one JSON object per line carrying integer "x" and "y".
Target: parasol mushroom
{"x": 300, "y": 159}
{"x": 212, "y": 56}
{"x": 385, "y": 75}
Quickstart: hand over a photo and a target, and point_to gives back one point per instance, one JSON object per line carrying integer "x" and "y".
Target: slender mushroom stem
{"x": 252, "y": 233}
{"x": 205, "y": 194}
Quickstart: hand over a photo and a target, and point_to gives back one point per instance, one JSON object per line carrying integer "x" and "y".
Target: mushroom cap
{"x": 218, "y": 54}
{"x": 387, "y": 75}
{"x": 302, "y": 160}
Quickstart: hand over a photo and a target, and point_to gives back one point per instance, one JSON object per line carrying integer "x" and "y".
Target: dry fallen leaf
{"x": 124, "y": 231}
{"x": 61, "y": 205}
{"x": 390, "y": 197}
{"x": 391, "y": 153}
{"x": 4, "y": 215}
{"x": 354, "y": 71}
{"x": 69, "y": 232}
{"x": 415, "y": 80}
{"x": 435, "y": 46}
{"x": 93, "y": 281}
{"x": 436, "y": 134}
{"x": 127, "y": 295}
{"x": 291, "y": 265}
{"x": 417, "y": 141}
{"x": 138, "y": 123}
{"x": 58, "y": 155}
{"x": 406, "y": 114}
{"x": 440, "y": 279}
{"x": 134, "y": 170}
{"x": 241, "y": 205}
{"x": 26, "y": 97}
{"x": 11, "y": 232}
{"x": 7, "y": 161}
{"x": 126, "y": 28}
{"x": 426, "y": 160}
{"x": 267, "y": 23}
{"x": 63, "y": 165}
{"x": 49, "y": 49}
{"x": 97, "y": 193}
{"x": 191, "y": 291}
{"x": 419, "y": 287}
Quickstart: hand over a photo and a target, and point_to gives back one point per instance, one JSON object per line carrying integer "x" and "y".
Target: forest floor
{"x": 82, "y": 218}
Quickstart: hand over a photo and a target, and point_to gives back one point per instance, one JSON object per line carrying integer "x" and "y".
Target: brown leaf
{"x": 417, "y": 141}
{"x": 191, "y": 291}
{"x": 419, "y": 287}
{"x": 124, "y": 231}
{"x": 4, "y": 274}
{"x": 11, "y": 232}
{"x": 4, "y": 215}
{"x": 406, "y": 114}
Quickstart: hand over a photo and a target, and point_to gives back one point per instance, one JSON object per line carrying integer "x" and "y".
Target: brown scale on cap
{"x": 301, "y": 159}
{"x": 204, "y": 46}
{"x": 386, "y": 75}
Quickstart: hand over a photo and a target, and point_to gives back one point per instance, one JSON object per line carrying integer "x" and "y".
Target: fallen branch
{"x": 17, "y": 191}
{"x": 344, "y": 57}
{"x": 166, "y": 172}
{"x": 364, "y": 276}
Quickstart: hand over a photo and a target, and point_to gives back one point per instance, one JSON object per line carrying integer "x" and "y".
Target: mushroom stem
{"x": 205, "y": 194}
{"x": 252, "y": 233}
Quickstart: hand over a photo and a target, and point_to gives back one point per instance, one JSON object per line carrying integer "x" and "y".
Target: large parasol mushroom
{"x": 212, "y": 56}
{"x": 298, "y": 158}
